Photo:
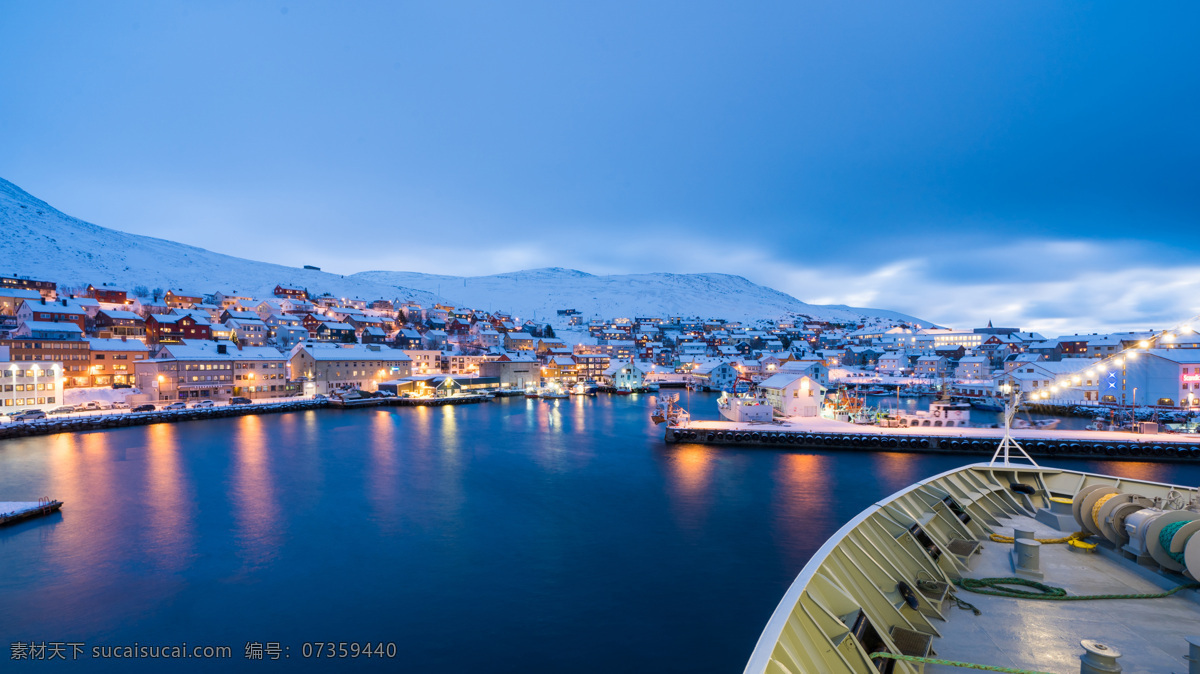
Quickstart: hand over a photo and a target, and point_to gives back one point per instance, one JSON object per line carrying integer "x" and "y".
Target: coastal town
{"x": 94, "y": 347}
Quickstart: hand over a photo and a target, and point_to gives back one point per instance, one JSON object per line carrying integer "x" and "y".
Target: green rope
{"x": 954, "y": 663}
{"x": 1165, "y": 536}
{"x": 999, "y": 587}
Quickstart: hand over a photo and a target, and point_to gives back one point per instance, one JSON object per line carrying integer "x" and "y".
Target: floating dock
{"x": 12, "y": 512}
{"x": 820, "y": 433}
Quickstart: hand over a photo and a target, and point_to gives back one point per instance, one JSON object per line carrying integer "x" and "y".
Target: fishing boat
{"x": 1039, "y": 424}
{"x": 533, "y": 392}
{"x": 877, "y": 391}
{"x": 669, "y": 410}
{"x": 583, "y": 389}
{"x": 554, "y": 391}
{"x": 969, "y": 568}
{"x": 743, "y": 408}
{"x": 942, "y": 413}
{"x": 623, "y": 390}
{"x": 841, "y": 405}
{"x": 985, "y": 405}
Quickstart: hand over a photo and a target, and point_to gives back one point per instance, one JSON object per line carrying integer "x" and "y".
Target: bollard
{"x": 1026, "y": 558}
{"x": 1098, "y": 658}
{"x": 1022, "y": 533}
{"x": 1193, "y": 656}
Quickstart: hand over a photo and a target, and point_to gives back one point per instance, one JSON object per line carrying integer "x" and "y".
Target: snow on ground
{"x": 76, "y": 396}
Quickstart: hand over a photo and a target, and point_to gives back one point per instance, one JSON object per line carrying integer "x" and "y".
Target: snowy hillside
{"x": 539, "y": 293}
{"x": 41, "y": 242}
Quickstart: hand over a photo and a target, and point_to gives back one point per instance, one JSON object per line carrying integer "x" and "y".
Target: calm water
{"x": 518, "y": 535}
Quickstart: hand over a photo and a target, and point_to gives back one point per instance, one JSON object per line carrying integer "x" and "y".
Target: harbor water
{"x": 518, "y": 535}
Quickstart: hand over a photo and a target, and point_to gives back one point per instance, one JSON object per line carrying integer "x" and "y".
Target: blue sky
{"x": 1034, "y": 163}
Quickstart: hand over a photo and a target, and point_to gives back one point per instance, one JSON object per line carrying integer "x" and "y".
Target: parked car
{"x": 89, "y": 406}
{"x": 239, "y": 401}
{"x": 103, "y": 405}
{"x": 122, "y": 385}
{"x": 176, "y": 406}
{"x": 65, "y": 409}
{"x": 202, "y": 403}
{"x": 28, "y": 415}
{"x": 120, "y": 405}
{"x": 147, "y": 407}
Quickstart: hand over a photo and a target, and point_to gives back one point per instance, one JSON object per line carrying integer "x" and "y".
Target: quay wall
{"x": 1039, "y": 449}
{"x": 99, "y": 422}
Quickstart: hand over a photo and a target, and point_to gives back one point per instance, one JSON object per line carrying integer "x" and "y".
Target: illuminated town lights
{"x": 1144, "y": 344}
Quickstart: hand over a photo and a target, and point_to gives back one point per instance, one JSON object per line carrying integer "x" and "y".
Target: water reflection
{"x": 689, "y": 470}
{"x": 806, "y": 484}
{"x": 898, "y": 469}
{"x": 256, "y": 513}
{"x": 171, "y": 504}
{"x": 382, "y": 470}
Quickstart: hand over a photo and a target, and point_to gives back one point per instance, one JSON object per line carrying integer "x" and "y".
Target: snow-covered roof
{"x": 98, "y": 344}
{"x": 782, "y": 380}
{"x": 1176, "y": 355}
{"x": 207, "y": 350}
{"x": 54, "y": 308}
{"x": 51, "y": 326}
{"x": 353, "y": 352}
{"x": 121, "y": 315}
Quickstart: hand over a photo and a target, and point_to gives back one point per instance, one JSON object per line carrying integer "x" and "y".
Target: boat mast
{"x": 1007, "y": 443}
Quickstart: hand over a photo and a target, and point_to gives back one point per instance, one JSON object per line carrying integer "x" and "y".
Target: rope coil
{"x": 953, "y": 663}
{"x": 1168, "y": 532}
{"x": 999, "y": 587}
{"x": 1077, "y": 536}
{"x": 1096, "y": 508}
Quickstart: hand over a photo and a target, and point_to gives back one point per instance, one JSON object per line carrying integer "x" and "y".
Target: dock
{"x": 101, "y": 422}
{"x": 820, "y": 433}
{"x": 12, "y": 512}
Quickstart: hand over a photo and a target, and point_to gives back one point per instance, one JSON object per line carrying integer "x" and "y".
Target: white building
{"x": 30, "y": 385}
{"x": 326, "y": 367}
{"x": 892, "y": 363}
{"x": 715, "y": 375}
{"x": 626, "y": 374}
{"x": 973, "y": 367}
{"x": 1163, "y": 377}
{"x": 793, "y": 395}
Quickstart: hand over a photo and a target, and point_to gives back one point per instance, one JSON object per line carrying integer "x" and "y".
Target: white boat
{"x": 941, "y": 414}
{"x": 905, "y": 584}
{"x": 1038, "y": 424}
{"x": 744, "y": 408}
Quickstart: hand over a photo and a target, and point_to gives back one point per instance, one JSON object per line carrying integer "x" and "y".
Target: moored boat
{"x": 985, "y": 405}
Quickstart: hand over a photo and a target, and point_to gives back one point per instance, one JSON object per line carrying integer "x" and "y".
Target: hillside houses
{"x": 67, "y": 325}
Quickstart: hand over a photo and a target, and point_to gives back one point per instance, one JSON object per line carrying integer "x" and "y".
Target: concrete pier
{"x": 12, "y": 512}
{"x": 820, "y": 433}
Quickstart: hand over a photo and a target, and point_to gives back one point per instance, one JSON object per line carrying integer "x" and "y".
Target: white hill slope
{"x": 39, "y": 241}
{"x": 539, "y": 293}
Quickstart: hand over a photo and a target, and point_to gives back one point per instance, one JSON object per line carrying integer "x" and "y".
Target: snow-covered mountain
{"x": 40, "y": 241}
{"x": 539, "y": 293}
